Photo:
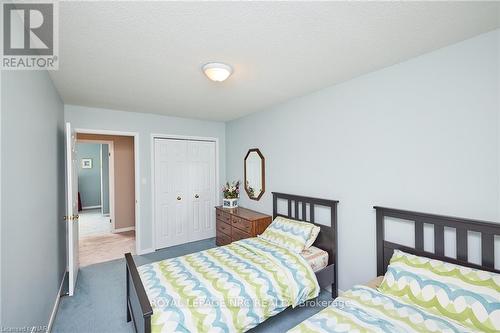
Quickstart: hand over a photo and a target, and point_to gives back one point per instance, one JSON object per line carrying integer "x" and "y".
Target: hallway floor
{"x": 97, "y": 241}
{"x": 92, "y": 222}
{"x": 105, "y": 247}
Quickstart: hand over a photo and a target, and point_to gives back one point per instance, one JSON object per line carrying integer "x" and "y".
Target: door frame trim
{"x": 135, "y": 135}
{"x": 179, "y": 137}
{"x": 111, "y": 180}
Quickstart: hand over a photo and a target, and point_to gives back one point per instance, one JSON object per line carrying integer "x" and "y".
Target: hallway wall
{"x": 89, "y": 180}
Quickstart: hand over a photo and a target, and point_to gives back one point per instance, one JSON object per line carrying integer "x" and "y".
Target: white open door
{"x": 71, "y": 207}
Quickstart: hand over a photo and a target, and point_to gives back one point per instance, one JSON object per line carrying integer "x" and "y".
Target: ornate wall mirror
{"x": 255, "y": 184}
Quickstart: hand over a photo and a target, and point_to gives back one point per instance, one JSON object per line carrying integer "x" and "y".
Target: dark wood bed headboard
{"x": 297, "y": 210}
{"x": 462, "y": 226}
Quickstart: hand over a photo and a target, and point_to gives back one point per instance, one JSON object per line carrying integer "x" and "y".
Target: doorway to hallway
{"x": 106, "y": 224}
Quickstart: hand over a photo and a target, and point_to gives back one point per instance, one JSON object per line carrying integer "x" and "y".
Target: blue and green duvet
{"x": 226, "y": 289}
{"x": 362, "y": 309}
{"x": 418, "y": 294}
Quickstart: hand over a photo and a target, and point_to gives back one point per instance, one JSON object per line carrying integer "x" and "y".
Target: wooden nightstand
{"x": 239, "y": 223}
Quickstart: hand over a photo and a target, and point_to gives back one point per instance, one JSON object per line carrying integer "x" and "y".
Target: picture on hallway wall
{"x": 86, "y": 163}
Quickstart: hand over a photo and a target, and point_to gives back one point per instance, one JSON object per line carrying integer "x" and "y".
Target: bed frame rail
{"x": 138, "y": 307}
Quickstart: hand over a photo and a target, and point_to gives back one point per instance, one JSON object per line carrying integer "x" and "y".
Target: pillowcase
{"x": 314, "y": 230}
{"x": 314, "y": 234}
{"x": 293, "y": 235}
{"x": 469, "y": 296}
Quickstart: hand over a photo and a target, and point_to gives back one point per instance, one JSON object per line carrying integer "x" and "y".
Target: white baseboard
{"x": 145, "y": 251}
{"x": 122, "y": 229}
{"x": 56, "y": 305}
{"x": 90, "y": 207}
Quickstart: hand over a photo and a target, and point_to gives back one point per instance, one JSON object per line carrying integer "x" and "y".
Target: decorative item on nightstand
{"x": 231, "y": 193}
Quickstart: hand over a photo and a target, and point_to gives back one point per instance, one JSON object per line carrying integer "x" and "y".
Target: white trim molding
{"x": 115, "y": 231}
{"x": 91, "y": 207}
{"x": 56, "y": 304}
{"x": 145, "y": 251}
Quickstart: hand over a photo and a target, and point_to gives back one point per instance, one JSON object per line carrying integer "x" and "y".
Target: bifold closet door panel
{"x": 171, "y": 188}
{"x": 201, "y": 156}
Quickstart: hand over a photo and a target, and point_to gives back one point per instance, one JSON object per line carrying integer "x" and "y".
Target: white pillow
{"x": 312, "y": 238}
{"x": 314, "y": 230}
{"x": 288, "y": 234}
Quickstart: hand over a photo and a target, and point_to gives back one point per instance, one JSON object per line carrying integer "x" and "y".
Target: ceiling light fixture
{"x": 217, "y": 71}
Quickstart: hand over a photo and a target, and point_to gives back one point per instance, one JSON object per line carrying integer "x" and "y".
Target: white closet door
{"x": 201, "y": 156}
{"x": 185, "y": 191}
{"x": 171, "y": 192}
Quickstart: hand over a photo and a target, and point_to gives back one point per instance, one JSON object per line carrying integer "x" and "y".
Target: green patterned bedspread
{"x": 362, "y": 309}
{"x": 226, "y": 289}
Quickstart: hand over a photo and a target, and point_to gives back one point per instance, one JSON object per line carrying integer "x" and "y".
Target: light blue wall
{"x": 420, "y": 135}
{"x": 33, "y": 241}
{"x": 105, "y": 178}
{"x": 89, "y": 180}
{"x": 147, "y": 124}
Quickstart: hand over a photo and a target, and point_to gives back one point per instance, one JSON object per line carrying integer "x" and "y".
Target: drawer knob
{"x": 179, "y": 198}
{"x": 196, "y": 196}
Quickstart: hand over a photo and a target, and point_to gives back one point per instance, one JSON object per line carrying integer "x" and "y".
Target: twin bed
{"x": 236, "y": 287}
{"x": 421, "y": 291}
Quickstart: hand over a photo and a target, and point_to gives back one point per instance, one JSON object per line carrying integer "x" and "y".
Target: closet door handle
{"x": 179, "y": 198}
{"x": 196, "y": 196}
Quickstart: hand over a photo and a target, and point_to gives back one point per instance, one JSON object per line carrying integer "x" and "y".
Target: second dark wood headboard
{"x": 462, "y": 226}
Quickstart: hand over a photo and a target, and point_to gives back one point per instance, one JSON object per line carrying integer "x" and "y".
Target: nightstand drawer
{"x": 223, "y": 216}
{"x": 241, "y": 224}
{"x": 237, "y": 234}
{"x": 223, "y": 227}
{"x": 222, "y": 239}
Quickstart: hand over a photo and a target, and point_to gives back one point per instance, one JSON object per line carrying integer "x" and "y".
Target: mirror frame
{"x": 263, "y": 173}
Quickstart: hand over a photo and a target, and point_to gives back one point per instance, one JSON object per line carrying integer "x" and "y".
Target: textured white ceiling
{"x": 147, "y": 56}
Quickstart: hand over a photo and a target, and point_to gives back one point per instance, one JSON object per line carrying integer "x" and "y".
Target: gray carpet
{"x": 99, "y": 302}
